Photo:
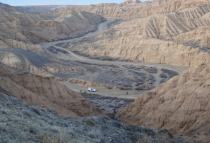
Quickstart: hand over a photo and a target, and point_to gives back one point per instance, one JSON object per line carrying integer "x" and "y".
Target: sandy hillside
{"x": 132, "y": 9}
{"x": 46, "y": 92}
{"x": 20, "y": 29}
{"x": 175, "y": 38}
{"x": 181, "y": 105}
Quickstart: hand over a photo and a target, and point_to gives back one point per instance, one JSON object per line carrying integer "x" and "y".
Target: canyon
{"x": 148, "y": 61}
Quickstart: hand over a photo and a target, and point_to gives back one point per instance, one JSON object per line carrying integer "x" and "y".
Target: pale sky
{"x": 57, "y": 2}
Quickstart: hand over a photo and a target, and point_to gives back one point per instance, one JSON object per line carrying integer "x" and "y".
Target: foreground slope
{"x": 26, "y": 123}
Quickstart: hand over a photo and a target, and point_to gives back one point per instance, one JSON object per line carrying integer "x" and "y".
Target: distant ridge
{"x": 132, "y": 1}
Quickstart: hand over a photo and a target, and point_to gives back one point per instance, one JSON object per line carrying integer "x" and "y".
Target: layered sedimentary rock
{"x": 177, "y": 38}
{"x": 181, "y": 105}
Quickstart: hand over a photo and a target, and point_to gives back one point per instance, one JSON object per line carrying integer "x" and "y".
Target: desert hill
{"x": 19, "y": 28}
{"x": 181, "y": 105}
{"x": 178, "y": 38}
{"x": 137, "y": 10}
{"x": 46, "y": 92}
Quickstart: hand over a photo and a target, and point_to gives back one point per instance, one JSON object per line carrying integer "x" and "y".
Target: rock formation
{"x": 181, "y": 105}
{"x": 172, "y": 38}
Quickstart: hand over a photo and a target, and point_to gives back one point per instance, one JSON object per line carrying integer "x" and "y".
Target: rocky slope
{"x": 181, "y": 105}
{"x": 66, "y": 26}
{"x": 23, "y": 123}
{"x": 128, "y": 10}
{"x": 46, "y": 92}
{"x": 167, "y": 38}
{"x": 20, "y": 29}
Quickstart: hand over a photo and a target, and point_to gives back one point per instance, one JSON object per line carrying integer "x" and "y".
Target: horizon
{"x": 55, "y": 2}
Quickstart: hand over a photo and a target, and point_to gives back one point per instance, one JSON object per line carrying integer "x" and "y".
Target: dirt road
{"x": 57, "y": 45}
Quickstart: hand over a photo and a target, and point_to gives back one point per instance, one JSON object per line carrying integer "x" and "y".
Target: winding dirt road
{"x": 102, "y": 27}
{"x": 75, "y": 57}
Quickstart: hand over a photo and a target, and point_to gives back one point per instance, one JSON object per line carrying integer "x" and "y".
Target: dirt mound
{"x": 181, "y": 105}
{"x": 46, "y": 92}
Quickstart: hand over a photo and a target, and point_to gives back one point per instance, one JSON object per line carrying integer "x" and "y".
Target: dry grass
{"x": 51, "y": 139}
{"x": 59, "y": 138}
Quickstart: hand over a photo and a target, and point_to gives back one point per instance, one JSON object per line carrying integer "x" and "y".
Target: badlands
{"x": 147, "y": 60}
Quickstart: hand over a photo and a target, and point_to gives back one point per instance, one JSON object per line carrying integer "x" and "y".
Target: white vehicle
{"x": 91, "y": 89}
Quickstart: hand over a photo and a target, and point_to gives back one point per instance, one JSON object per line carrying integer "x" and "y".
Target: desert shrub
{"x": 89, "y": 123}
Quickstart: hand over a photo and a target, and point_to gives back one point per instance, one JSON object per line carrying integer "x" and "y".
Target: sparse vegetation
{"x": 89, "y": 123}
{"x": 51, "y": 139}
